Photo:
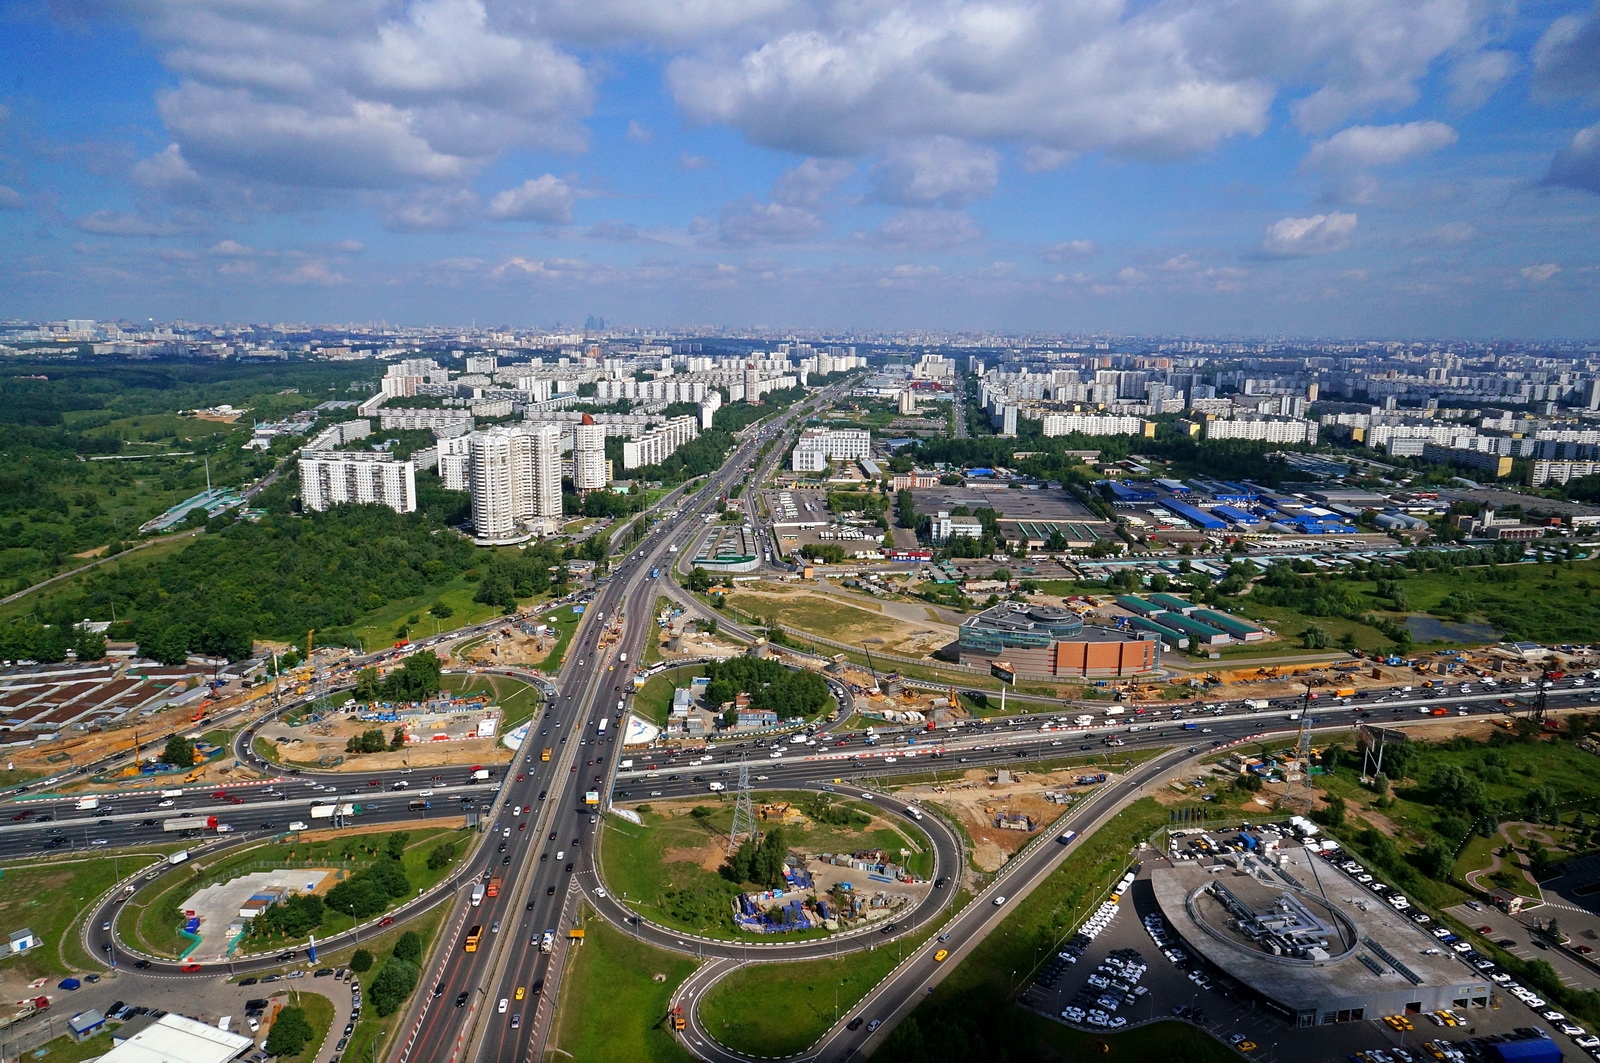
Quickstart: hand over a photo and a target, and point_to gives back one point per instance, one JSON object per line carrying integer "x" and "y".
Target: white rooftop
{"x": 176, "y": 1039}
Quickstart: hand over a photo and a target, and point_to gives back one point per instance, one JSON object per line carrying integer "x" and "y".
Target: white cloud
{"x": 1378, "y": 145}
{"x": 1152, "y": 81}
{"x": 1578, "y": 164}
{"x": 122, "y": 223}
{"x": 546, "y": 199}
{"x": 364, "y": 94}
{"x": 1038, "y": 160}
{"x": 432, "y": 210}
{"x": 751, "y": 222}
{"x": 659, "y": 22}
{"x": 692, "y": 162}
{"x": 1540, "y": 273}
{"x": 926, "y": 230}
{"x": 232, "y": 249}
{"x": 315, "y": 273}
{"x": 1069, "y": 249}
{"x": 807, "y": 184}
{"x": 1478, "y": 76}
{"x": 1303, "y": 237}
{"x": 936, "y": 171}
{"x": 11, "y": 199}
{"x": 637, "y": 133}
{"x": 1566, "y": 61}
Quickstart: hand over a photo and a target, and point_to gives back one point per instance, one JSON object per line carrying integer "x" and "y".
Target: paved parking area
{"x": 1229, "y": 1012}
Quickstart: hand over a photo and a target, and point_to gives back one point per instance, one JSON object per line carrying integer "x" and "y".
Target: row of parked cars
{"x": 1110, "y": 987}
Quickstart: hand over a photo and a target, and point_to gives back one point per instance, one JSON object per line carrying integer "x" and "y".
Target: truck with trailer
{"x": 329, "y": 811}
{"x": 1092, "y": 780}
{"x": 25, "y": 1008}
{"x": 189, "y": 823}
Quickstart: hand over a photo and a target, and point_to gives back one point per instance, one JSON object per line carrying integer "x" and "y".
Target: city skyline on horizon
{"x": 1389, "y": 170}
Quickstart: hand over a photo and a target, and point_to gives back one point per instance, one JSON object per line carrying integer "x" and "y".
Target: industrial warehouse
{"x": 1049, "y": 640}
{"x": 1307, "y": 941}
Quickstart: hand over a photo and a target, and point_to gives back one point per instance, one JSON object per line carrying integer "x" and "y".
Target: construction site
{"x": 437, "y": 733}
{"x": 1002, "y": 810}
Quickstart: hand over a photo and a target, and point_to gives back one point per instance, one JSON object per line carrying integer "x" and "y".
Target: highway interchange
{"x": 542, "y": 836}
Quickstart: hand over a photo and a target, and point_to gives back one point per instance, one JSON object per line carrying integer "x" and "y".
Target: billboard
{"x": 1003, "y": 672}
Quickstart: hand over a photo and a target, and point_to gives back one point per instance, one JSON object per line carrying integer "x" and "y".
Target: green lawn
{"x": 50, "y": 899}
{"x": 972, "y": 1006}
{"x": 652, "y": 644}
{"x": 319, "y": 1014}
{"x": 564, "y": 622}
{"x": 779, "y": 1009}
{"x": 654, "y": 700}
{"x": 65, "y": 1050}
{"x": 518, "y": 701}
{"x": 613, "y": 1007}
{"x": 656, "y": 867}
{"x": 155, "y": 920}
{"x": 381, "y": 626}
{"x": 370, "y": 1038}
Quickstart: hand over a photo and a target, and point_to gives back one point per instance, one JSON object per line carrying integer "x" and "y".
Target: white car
{"x": 998, "y": 901}
{"x": 502, "y": 1008}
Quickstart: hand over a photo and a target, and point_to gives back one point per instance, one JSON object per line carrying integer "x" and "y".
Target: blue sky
{"x": 1425, "y": 168}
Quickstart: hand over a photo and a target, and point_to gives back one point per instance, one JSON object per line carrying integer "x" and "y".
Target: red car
{"x": 1486, "y": 930}
{"x": 191, "y": 968}
{"x": 520, "y": 776}
{"x": 522, "y": 826}
{"x": 219, "y": 793}
{"x": 386, "y": 920}
{"x": 374, "y": 782}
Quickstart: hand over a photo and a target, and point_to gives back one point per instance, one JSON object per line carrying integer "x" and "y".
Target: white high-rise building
{"x": 658, "y": 444}
{"x": 515, "y": 474}
{"x": 331, "y": 477}
{"x": 455, "y": 462}
{"x": 588, "y": 455}
{"x": 816, "y": 446}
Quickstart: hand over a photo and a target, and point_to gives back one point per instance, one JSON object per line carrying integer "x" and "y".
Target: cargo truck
{"x": 480, "y": 775}
{"x": 547, "y": 941}
{"x": 477, "y": 894}
{"x": 1255, "y": 704}
{"x": 171, "y": 793}
{"x": 25, "y": 1008}
{"x": 717, "y": 787}
{"x": 297, "y": 825}
{"x": 83, "y": 804}
{"x": 1092, "y": 780}
{"x": 189, "y": 823}
{"x": 493, "y": 889}
{"x": 178, "y": 857}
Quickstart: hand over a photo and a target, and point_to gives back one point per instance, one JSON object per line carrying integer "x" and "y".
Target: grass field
{"x": 517, "y": 700}
{"x": 657, "y": 867}
{"x": 972, "y": 1006}
{"x": 654, "y": 700}
{"x": 612, "y": 1005}
{"x": 382, "y": 626}
{"x": 370, "y": 1038}
{"x": 50, "y": 899}
{"x": 319, "y": 1015}
{"x": 779, "y": 1009}
{"x": 154, "y": 921}
{"x": 65, "y": 1050}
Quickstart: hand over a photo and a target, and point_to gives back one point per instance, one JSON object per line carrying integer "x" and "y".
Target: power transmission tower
{"x": 1298, "y": 793}
{"x": 744, "y": 813}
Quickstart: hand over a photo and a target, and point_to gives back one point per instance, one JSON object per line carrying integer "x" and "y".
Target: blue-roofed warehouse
{"x": 1242, "y": 630}
{"x": 1172, "y": 637}
{"x": 1235, "y": 516}
{"x": 1198, "y": 518}
{"x": 1138, "y": 606}
{"x": 1125, "y": 494}
{"x": 1172, "y": 603}
{"x": 1202, "y": 634}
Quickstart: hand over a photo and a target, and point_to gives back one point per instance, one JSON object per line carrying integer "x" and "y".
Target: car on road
{"x": 998, "y": 901}
{"x": 873, "y": 1025}
{"x": 191, "y": 968}
{"x": 516, "y": 1021}
{"x": 855, "y": 1023}
{"x": 939, "y": 957}
{"x": 461, "y": 999}
{"x": 503, "y": 1003}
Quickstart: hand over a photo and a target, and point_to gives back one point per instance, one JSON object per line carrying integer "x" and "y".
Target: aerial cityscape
{"x": 655, "y": 533}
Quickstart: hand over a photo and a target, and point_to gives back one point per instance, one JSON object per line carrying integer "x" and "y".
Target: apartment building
{"x": 515, "y": 479}
{"x": 331, "y": 477}
{"x": 817, "y": 446}
{"x": 1094, "y": 424}
{"x": 1265, "y": 429}
{"x": 588, "y": 455}
{"x": 658, "y": 444}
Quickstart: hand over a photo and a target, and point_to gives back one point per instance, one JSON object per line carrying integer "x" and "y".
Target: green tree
{"x": 179, "y": 752}
{"x": 1314, "y": 638}
{"x": 394, "y": 982}
{"x": 361, "y": 961}
{"x": 440, "y": 855}
{"x": 289, "y": 1034}
{"x": 398, "y": 739}
{"x": 409, "y": 947}
{"x": 442, "y": 610}
{"x": 395, "y": 844}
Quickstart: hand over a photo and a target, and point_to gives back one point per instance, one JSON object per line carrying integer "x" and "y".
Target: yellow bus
{"x": 546, "y": 754}
{"x": 472, "y": 937}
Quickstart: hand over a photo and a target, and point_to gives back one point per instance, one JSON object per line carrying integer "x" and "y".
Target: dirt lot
{"x": 977, "y": 799}
{"x": 323, "y": 748}
{"x": 517, "y": 648}
{"x": 849, "y": 619}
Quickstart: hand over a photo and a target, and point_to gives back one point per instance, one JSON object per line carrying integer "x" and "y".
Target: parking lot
{"x": 1125, "y": 968}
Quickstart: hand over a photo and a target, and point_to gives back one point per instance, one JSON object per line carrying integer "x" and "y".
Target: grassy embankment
{"x": 972, "y": 1006}
{"x": 613, "y": 1007}
{"x": 152, "y": 922}
{"x": 658, "y": 868}
{"x": 51, "y": 900}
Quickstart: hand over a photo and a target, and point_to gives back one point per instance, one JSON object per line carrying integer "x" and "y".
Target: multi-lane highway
{"x": 542, "y": 844}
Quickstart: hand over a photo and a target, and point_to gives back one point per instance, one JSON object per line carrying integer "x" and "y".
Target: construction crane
{"x": 309, "y": 636}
